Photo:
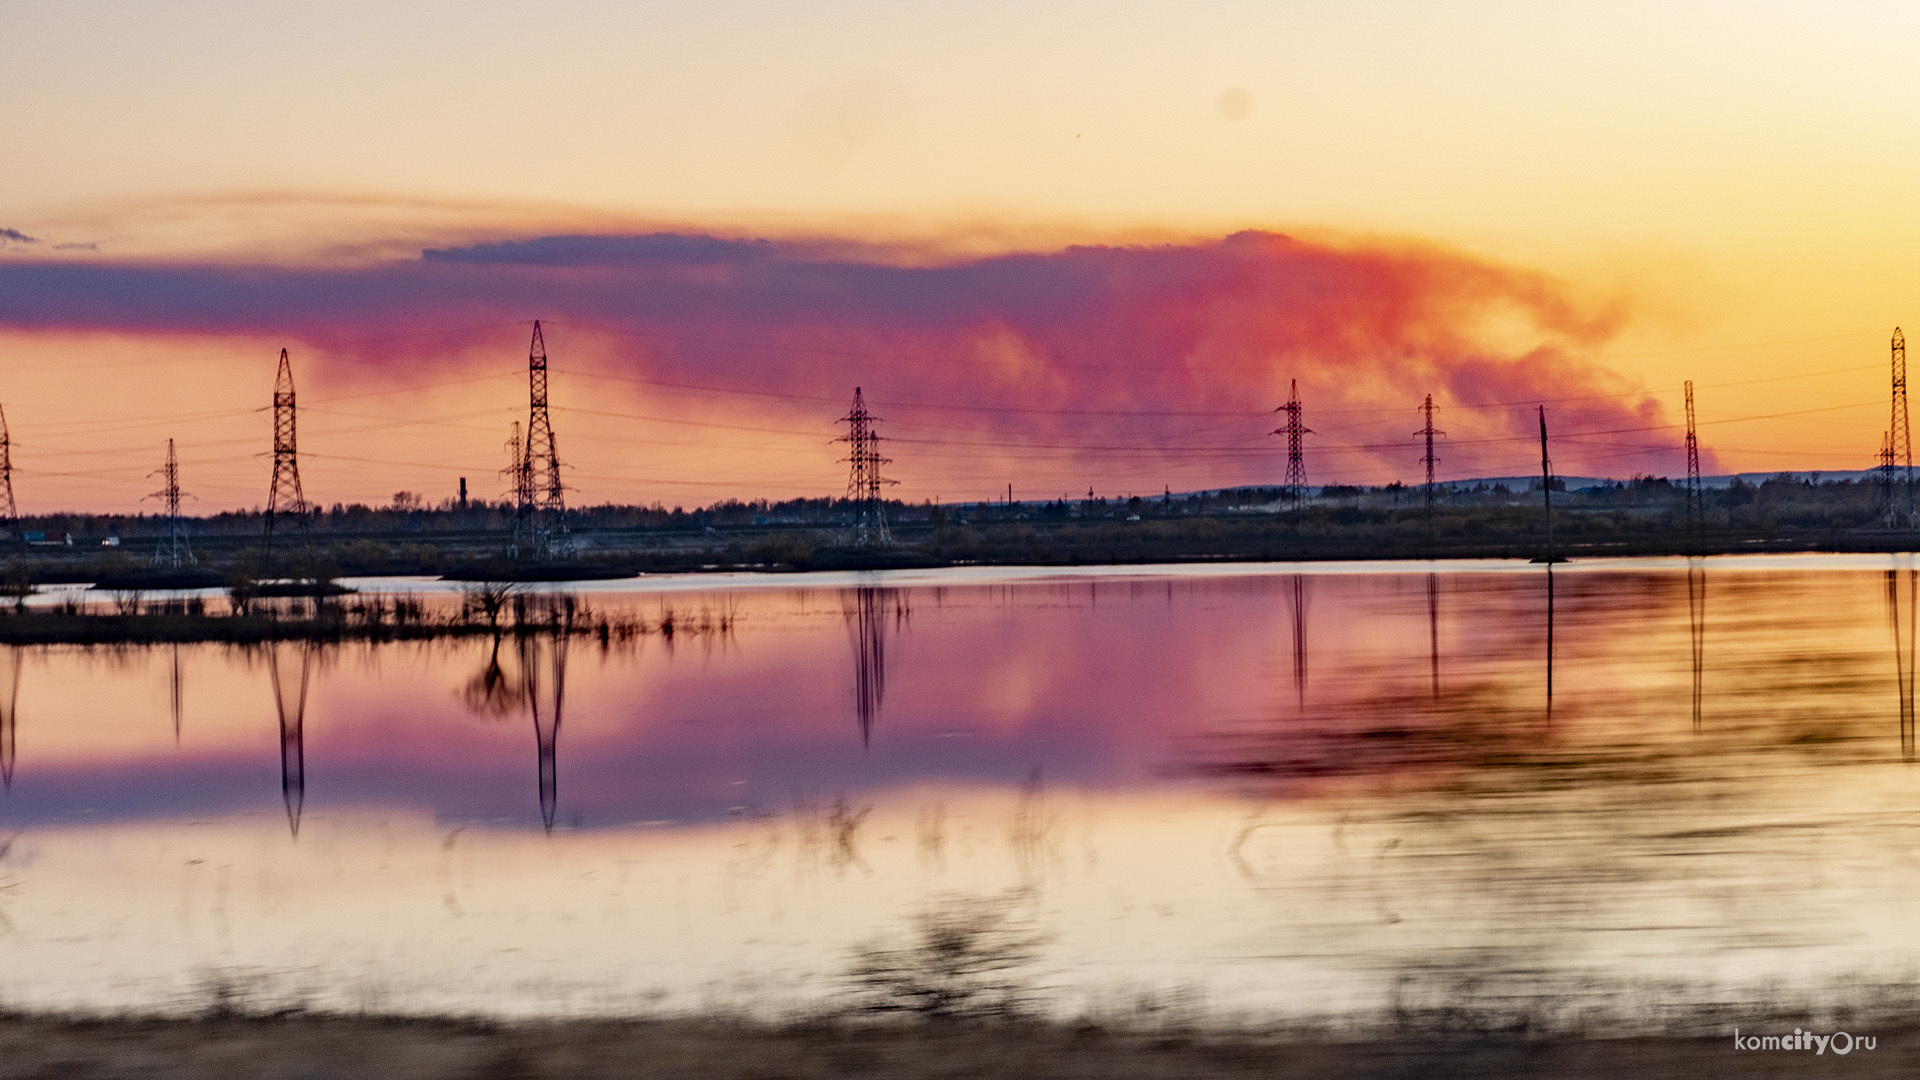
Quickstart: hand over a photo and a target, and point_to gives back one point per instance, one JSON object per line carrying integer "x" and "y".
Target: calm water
{"x": 1242, "y": 791}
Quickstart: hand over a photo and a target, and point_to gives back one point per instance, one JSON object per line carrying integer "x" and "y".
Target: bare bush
{"x": 488, "y": 598}
{"x": 963, "y": 960}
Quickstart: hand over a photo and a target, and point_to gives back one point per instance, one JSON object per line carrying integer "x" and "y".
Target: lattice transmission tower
{"x": 1900, "y": 440}
{"x": 9, "y": 515}
{"x": 1546, "y": 508}
{"x": 1696, "y": 511}
{"x": 869, "y": 525}
{"x": 1883, "y": 478}
{"x": 1429, "y": 460}
{"x": 1295, "y": 486}
{"x": 284, "y": 498}
{"x": 540, "y": 518}
{"x": 174, "y": 551}
{"x": 520, "y": 487}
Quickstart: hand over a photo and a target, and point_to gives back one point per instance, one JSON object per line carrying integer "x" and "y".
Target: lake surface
{"x": 1321, "y": 791}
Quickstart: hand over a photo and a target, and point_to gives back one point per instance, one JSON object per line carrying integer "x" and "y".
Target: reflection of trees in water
{"x": 831, "y": 832}
{"x": 964, "y": 958}
{"x": 493, "y": 692}
{"x": 1478, "y": 857}
{"x": 867, "y": 610}
{"x": 1469, "y": 727}
{"x": 1489, "y": 897}
{"x": 535, "y": 681}
{"x": 290, "y": 664}
{"x": 1499, "y": 848}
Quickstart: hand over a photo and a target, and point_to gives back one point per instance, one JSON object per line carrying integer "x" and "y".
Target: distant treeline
{"x": 409, "y": 513}
{"x": 1644, "y": 514}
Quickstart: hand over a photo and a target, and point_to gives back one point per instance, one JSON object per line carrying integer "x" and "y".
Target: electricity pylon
{"x": 517, "y": 475}
{"x": 1883, "y": 479}
{"x": 1900, "y": 439}
{"x": 869, "y": 526}
{"x": 1296, "y": 482}
{"x": 9, "y": 515}
{"x": 1429, "y": 460}
{"x": 540, "y": 521}
{"x": 174, "y": 551}
{"x": 1696, "y": 511}
{"x": 284, "y": 498}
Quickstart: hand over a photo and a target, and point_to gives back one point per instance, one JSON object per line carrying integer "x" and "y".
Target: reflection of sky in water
{"x": 1089, "y": 680}
{"x": 1285, "y": 791}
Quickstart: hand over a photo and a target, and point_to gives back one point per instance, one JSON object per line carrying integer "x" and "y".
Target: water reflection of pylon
{"x": 1697, "y": 629}
{"x": 9, "y": 715}
{"x": 868, "y": 608}
{"x": 543, "y": 670}
{"x": 1300, "y": 640}
{"x": 290, "y": 698}
{"x": 178, "y": 695}
{"x": 1903, "y": 653}
{"x": 1433, "y": 631}
{"x": 1549, "y": 643}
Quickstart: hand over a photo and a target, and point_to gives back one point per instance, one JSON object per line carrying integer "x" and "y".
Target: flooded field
{"x": 1316, "y": 792}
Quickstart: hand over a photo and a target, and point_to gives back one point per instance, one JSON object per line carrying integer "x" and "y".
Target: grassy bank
{"x": 61, "y": 628}
{"x": 348, "y": 1049}
{"x": 493, "y": 611}
{"x": 1644, "y": 516}
{"x": 1254, "y": 539}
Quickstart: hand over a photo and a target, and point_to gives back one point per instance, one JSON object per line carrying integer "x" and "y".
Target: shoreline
{"x": 167, "y": 627}
{"x": 388, "y": 607}
{"x": 271, "y": 1048}
{"x": 610, "y": 566}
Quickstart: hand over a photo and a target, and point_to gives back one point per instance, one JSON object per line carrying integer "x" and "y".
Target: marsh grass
{"x": 131, "y": 619}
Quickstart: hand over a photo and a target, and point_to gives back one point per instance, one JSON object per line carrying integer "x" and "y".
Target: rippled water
{"x": 1269, "y": 790}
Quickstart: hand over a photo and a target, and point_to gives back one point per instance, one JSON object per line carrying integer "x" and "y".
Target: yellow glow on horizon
{"x": 1739, "y": 178}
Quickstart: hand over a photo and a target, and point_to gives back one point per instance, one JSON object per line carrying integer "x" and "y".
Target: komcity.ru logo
{"x": 1839, "y": 1042}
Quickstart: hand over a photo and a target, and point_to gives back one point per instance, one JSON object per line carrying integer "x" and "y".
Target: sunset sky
{"x": 1059, "y": 245}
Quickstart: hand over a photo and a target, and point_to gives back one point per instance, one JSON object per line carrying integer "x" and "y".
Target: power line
{"x": 1597, "y": 443}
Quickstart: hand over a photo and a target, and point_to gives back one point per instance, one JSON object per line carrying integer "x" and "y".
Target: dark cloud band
{"x": 1053, "y": 349}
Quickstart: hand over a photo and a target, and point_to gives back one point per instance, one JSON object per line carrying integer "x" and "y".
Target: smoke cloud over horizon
{"x": 1125, "y": 368}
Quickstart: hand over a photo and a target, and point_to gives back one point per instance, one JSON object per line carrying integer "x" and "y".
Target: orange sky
{"x": 1586, "y": 201}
